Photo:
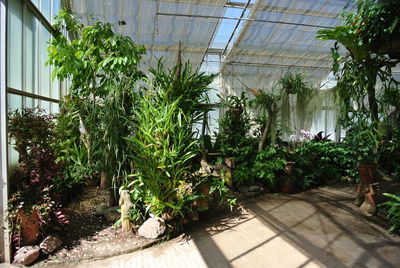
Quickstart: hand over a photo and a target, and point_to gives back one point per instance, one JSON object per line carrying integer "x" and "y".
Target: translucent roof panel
{"x": 159, "y": 25}
{"x": 280, "y": 35}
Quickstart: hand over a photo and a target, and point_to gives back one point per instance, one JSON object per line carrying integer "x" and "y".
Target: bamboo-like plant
{"x": 190, "y": 86}
{"x": 163, "y": 147}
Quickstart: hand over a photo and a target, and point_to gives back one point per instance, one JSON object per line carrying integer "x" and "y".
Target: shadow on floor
{"x": 322, "y": 225}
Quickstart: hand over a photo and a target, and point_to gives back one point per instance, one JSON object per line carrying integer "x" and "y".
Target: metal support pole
{"x": 5, "y": 249}
{"x": 245, "y": 19}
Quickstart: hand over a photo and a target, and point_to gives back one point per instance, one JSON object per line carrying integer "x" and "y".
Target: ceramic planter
{"x": 30, "y": 225}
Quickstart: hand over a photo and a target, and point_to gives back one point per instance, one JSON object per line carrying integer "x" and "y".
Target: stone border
{"x": 59, "y": 261}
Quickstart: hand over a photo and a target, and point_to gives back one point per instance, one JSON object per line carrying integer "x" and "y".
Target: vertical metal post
{"x": 5, "y": 255}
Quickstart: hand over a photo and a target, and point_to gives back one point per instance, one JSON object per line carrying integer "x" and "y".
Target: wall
{"x": 25, "y": 78}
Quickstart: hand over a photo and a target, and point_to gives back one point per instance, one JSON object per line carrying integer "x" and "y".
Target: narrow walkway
{"x": 319, "y": 228}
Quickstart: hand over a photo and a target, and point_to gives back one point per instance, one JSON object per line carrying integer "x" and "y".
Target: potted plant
{"x": 31, "y": 206}
{"x": 361, "y": 139}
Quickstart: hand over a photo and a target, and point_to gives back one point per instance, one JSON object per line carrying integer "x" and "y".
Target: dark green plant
{"x": 103, "y": 68}
{"x": 393, "y": 211}
{"x": 362, "y": 141}
{"x": 71, "y": 153}
{"x": 360, "y": 70}
{"x": 318, "y": 163}
{"x": 235, "y": 125}
{"x": 389, "y": 156}
{"x": 267, "y": 166}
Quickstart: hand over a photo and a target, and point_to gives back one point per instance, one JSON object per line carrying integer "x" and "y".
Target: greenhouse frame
{"x": 266, "y": 132}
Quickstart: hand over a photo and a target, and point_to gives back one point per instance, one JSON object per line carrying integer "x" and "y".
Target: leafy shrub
{"x": 320, "y": 162}
{"x": 234, "y": 126}
{"x": 32, "y": 131}
{"x": 244, "y": 155}
{"x": 393, "y": 211}
{"x": 268, "y": 164}
{"x": 163, "y": 147}
{"x": 71, "y": 154}
{"x": 233, "y": 140}
{"x": 389, "y": 156}
{"x": 103, "y": 68}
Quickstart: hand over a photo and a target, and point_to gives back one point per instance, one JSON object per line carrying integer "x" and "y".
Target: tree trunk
{"x": 265, "y": 133}
{"x": 103, "y": 180}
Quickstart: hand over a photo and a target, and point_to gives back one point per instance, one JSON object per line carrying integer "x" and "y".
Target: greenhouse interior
{"x": 200, "y": 133}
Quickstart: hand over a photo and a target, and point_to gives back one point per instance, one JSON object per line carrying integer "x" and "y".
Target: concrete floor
{"x": 318, "y": 228}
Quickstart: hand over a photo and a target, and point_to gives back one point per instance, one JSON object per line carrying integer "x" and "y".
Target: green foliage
{"x": 244, "y": 154}
{"x": 377, "y": 21}
{"x": 389, "y": 156}
{"x": 318, "y": 163}
{"x": 294, "y": 83}
{"x": 268, "y": 105}
{"x": 181, "y": 82}
{"x": 393, "y": 211}
{"x": 163, "y": 148}
{"x": 234, "y": 126}
{"x": 374, "y": 22}
{"x": 33, "y": 133}
{"x": 268, "y": 164}
{"x": 362, "y": 141}
{"x": 103, "y": 69}
{"x": 71, "y": 154}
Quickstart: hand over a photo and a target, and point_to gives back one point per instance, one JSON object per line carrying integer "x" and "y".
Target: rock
{"x": 193, "y": 216}
{"x": 152, "y": 228}
{"x": 112, "y": 214}
{"x": 100, "y": 209}
{"x": 367, "y": 209}
{"x": 26, "y": 255}
{"x": 251, "y": 194}
{"x": 243, "y": 189}
{"x": 255, "y": 188}
{"x": 50, "y": 244}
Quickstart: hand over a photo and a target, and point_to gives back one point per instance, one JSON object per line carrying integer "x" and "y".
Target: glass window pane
{"x": 14, "y": 102}
{"x": 55, "y": 88}
{"x": 56, "y": 8}
{"x": 29, "y": 102}
{"x": 36, "y": 2}
{"x": 55, "y": 108}
{"x": 31, "y": 36}
{"x": 44, "y": 70}
{"x": 46, "y": 8}
{"x": 14, "y": 45}
{"x": 45, "y": 105}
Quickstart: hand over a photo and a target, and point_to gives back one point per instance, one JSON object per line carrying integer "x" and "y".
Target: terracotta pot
{"x": 289, "y": 167}
{"x": 30, "y": 225}
{"x": 367, "y": 173}
{"x": 202, "y": 203}
{"x": 288, "y": 184}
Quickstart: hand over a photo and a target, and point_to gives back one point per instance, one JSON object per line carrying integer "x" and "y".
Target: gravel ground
{"x": 92, "y": 236}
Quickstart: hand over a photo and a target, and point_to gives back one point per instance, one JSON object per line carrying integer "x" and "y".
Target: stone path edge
{"x": 54, "y": 262}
